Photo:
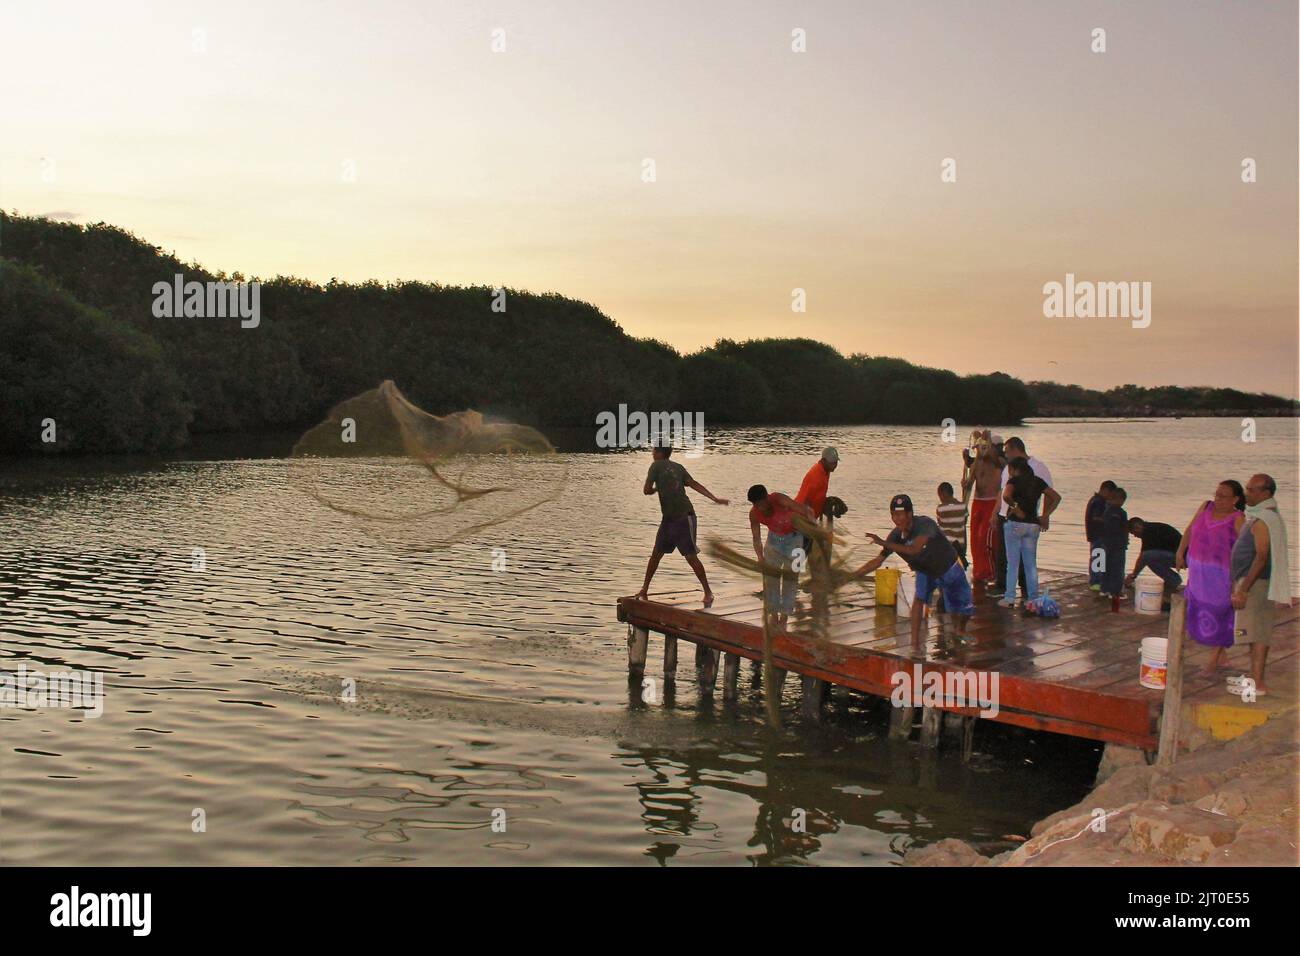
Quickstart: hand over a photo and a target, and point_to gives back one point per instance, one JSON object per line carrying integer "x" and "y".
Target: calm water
{"x": 482, "y": 690}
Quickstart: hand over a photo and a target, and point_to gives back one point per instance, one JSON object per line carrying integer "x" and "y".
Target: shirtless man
{"x": 987, "y": 467}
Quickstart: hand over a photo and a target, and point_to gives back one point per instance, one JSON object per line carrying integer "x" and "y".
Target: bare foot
{"x": 640, "y": 595}
{"x": 708, "y": 599}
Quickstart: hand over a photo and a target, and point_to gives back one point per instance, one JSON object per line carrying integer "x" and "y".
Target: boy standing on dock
{"x": 951, "y": 514}
{"x": 1114, "y": 542}
{"x": 919, "y": 542}
{"x": 1092, "y": 527}
{"x": 677, "y": 527}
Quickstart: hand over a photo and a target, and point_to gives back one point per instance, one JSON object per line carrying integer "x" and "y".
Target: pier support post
{"x": 638, "y": 641}
{"x": 814, "y": 696}
{"x": 730, "y": 675}
{"x": 1172, "y": 711}
{"x": 670, "y": 658}
{"x": 931, "y": 724}
{"x": 953, "y": 728}
{"x": 900, "y": 722}
{"x": 706, "y": 666}
{"x": 968, "y": 738}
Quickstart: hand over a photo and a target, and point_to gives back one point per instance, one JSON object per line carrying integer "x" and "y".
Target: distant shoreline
{"x": 1149, "y": 412}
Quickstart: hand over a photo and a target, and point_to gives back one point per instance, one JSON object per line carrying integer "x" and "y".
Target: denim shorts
{"x": 956, "y": 589}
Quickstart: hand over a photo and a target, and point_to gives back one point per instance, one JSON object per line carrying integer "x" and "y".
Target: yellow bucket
{"x": 886, "y": 585}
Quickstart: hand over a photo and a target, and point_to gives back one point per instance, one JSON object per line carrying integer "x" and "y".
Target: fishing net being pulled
{"x": 825, "y": 581}
{"x": 421, "y": 481}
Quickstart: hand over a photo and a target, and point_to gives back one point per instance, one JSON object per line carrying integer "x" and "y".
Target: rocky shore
{"x": 1226, "y": 803}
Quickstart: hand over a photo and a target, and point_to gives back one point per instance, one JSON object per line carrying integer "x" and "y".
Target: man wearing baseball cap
{"x": 816, "y": 484}
{"x": 918, "y": 540}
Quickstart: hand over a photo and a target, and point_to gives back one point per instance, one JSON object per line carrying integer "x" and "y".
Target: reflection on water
{"x": 482, "y": 689}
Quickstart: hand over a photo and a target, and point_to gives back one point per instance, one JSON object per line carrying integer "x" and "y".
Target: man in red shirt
{"x": 815, "y": 486}
{"x": 817, "y": 482}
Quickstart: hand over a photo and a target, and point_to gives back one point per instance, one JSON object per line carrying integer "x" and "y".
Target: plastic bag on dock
{"x": 1044, "y": 606}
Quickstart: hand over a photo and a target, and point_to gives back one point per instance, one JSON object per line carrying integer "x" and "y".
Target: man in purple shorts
{"x": 677, "y": 528}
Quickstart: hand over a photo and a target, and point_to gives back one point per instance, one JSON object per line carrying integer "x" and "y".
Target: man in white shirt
{"x": 1013, "y": 448}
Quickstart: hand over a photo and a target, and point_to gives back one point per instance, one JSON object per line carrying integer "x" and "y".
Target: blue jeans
{"x": 779, "y": 552}
{"x": 953, "y": 584}
{"x": 1021, "y": 539}
{"x": 1161, "y": 564}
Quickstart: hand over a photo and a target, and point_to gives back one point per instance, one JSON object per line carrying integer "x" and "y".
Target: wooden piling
{"x": 931, "y": 724}
{"x": 670, "y": 658}
{"x": 706, "y": 667}
{"x": 730, "y": 675}
{"x": 638, "y": 642}
{"x": 814, "y": 696}
{"x": 900, "y": 722}
{"x": 1171, "y": 713}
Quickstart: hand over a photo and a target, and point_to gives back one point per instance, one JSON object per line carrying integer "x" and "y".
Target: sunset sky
{"x": 223, "y": 131}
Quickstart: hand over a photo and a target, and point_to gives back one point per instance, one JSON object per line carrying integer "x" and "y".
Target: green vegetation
{"x": 82, "y": 346}
{"x": 1051, "y": 398}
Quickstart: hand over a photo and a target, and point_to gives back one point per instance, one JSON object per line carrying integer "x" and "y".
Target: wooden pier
{"x": 1075, "y": 675}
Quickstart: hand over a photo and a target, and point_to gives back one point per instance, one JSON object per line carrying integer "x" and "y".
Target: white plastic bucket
{"x": 1155, "y": 652}
{"x": 904, "y": 594}
{"x": 1148, "y": 594}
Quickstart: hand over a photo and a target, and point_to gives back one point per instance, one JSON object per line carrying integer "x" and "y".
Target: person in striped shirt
{"x": 952, "y": 515}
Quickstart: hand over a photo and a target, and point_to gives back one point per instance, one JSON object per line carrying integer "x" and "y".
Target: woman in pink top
{"x": 1206, "y": 553}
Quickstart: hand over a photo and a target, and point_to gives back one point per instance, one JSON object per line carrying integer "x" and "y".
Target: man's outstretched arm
{"x": 911, "y": 550}
{"x": 696, "y": 486}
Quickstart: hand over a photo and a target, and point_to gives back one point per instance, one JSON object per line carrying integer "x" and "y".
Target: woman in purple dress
{"x": 1206, "y": 552}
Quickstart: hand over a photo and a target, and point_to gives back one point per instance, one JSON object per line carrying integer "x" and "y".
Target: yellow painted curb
{"x": 1226, "y": 721}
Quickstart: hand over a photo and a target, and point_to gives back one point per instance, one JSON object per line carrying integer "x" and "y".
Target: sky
{"x": 390, "y": 140}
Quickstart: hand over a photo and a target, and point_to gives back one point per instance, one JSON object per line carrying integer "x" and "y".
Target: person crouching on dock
{"x": 918, "y": 541}
{"x": 677, "y": 527}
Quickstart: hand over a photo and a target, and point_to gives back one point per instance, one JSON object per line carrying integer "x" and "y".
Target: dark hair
{"x": 665, "y": 450}
{"x": 1108, "y": 485}
{"x": 1014, "y": 442}
{"x": 1269, "y": 483}
{"x": 756, "y": 494}
{"x": 1021, "y": 464}
{"x": 1121, "y": 494}
{"x": 1135, "y": 521}
{"x": 945, "y": 488}
{"x": 1238, "y": 492}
